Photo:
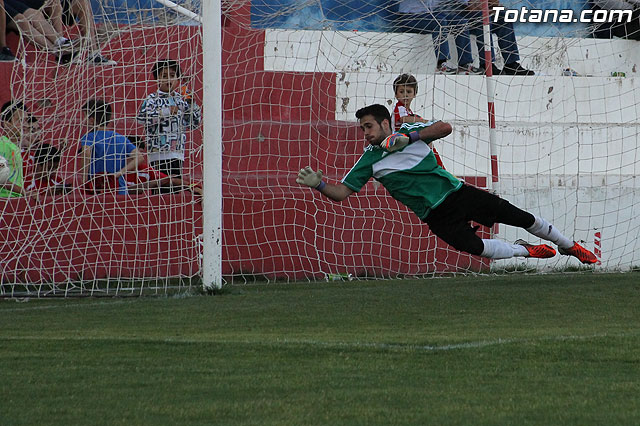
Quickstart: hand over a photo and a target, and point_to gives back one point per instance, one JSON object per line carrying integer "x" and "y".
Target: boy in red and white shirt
{"x": 405, "y": 88}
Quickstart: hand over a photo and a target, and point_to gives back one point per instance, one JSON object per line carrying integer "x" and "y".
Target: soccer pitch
{"x": 507, "y": 349}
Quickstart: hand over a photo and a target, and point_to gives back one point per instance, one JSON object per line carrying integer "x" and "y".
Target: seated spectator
{"x": 146, "y": 177}
{"x": 433, "y": 17}
{"x": 10, "y": 151}
{"x": 79, "y": 12}
{"x": 24, "y": 130}
{"x": 627, "y": 30}
{"x": 46, "y": 159}
{"x": 105, "y": 153}
{"x": 27, "y": 17}
{"x": 470, "y": 15}
{"x": 6, "y": 55}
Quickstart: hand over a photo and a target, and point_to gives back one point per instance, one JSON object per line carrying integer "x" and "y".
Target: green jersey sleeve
{"x": 362, "y": 171}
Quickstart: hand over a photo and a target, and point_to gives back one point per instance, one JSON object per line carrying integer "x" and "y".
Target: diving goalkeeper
{"x": 405, "y": 165}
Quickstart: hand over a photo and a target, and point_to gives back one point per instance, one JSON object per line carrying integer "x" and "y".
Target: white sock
{"x": 543, "y": 229}
{"x": 496, "y": 249}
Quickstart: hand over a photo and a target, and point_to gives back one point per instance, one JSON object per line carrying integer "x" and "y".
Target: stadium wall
{"x": 276, "y": 229}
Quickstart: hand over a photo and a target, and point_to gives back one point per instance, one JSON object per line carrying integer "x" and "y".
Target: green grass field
{"x": 506, "y": 350}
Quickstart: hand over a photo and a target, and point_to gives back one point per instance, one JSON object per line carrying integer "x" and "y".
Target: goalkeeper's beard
{"x": 377, "y": 142}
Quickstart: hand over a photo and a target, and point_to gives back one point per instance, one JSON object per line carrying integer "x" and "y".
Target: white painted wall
{"x": 568, "y": 147}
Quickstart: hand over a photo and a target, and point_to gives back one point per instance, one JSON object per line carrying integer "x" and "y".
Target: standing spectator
{"x": 166, "y": 116}
{"x": 470, "y": 16}
{"x": 104, "y": 152}
{"x": 628, "y": 30}
{"x": 405, "y": 88}
{"x": 433, "y": 17}
{"x": 6, "y": 55}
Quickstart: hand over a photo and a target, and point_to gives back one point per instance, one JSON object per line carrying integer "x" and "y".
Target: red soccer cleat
{"x": 541, "y": 251}
{"x": 583, "y": 255}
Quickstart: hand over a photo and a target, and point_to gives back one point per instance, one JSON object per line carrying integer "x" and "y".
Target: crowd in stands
{"x": 42, "y": 23}
{"x": 107, "y": 160}
{"x": 461, "y": 19}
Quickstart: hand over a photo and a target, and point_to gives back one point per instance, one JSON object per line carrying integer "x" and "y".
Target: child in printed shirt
{"x": 166, "y": 115}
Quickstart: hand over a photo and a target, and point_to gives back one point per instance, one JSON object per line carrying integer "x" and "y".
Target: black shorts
{"x": 450, "y": 220}
{"x": 17, "y": 7}
{"x": 172, "y": 168}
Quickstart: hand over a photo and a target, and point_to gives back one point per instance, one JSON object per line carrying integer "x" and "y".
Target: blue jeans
{"x": 434, "y": 23}
{"x": 503, "y": 30}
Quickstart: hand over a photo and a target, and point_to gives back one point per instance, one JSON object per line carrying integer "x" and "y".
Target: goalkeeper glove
{"x": 310, "y": 178}
{"x": 397, "y": 141}
{"x": 394, "y": 142}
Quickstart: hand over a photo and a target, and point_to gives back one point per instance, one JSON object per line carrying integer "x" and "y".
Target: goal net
{"x": 564, "y": 145}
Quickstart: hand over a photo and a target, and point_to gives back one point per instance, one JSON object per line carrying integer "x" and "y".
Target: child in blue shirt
{"x": 105, "y": 152}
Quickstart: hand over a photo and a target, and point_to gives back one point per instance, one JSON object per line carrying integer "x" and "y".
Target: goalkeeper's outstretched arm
{"x": 314, "y": 180}
{"x": 396, "y": 141}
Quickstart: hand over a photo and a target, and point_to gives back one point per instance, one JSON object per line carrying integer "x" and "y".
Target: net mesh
{"x": 294, "y": 74}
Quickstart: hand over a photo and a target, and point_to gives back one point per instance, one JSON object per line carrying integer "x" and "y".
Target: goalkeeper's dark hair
{"x": 166, "y": 63}
{"x": 99, "y": 110}
{"x": 405, "y": 80}
{"x": 9, "y": 108}
{"x": 379, "y": 112}
{"x": 46, "y": 154}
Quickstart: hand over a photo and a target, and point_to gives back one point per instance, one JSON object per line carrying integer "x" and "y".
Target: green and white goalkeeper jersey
{"x": 411, "y": 175}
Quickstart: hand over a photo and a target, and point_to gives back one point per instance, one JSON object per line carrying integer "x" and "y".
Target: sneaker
{"x": 6, "y": 55}
{"x": 583, "y": 255}
{"x": 66, "y": 45}
{"x": 541, "y": 251}
{"x": 64, "y": 58}
{"x": 514, "y": 68}
{"x": 444, "y": 68}
{"x": 98, "y": 59}
{"x": 494, "y": 70}
{"x": 469, "y": 69}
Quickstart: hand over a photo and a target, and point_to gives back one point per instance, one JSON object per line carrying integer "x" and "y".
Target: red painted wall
{"x": 274, "y": 124}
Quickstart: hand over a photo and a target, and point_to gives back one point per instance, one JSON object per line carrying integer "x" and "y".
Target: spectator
{"x": 27, "y": 17}
{"x": 628, "y": 30}
{"x": 146, "y": 177}
{"x": 44, "y": 179}
{"x": 79, "y": 12}
{"x": 166, "y": 115}
{"x": 105, "y": 153}
{"x": 24, "y": 130}
{"x": 405, "y": 88}
{"x": 432, "y": 17}
{"x": 470, "y": 15}
{"x": 11, "y": 152}
{"x": 6, "y": 55}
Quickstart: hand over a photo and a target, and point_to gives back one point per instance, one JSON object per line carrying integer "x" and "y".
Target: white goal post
{"x": 212, "y": 158}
